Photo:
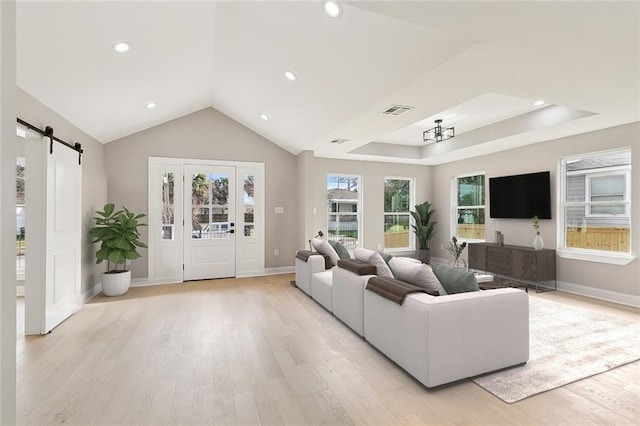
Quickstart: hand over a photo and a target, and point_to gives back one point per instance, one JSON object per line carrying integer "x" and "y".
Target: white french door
{"x": 206, "y": 219}
{"x": 209, "y": 225}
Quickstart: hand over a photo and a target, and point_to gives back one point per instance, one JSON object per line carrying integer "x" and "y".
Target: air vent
{"x": 397, "y": 109}
{"x": 339, "y": 141}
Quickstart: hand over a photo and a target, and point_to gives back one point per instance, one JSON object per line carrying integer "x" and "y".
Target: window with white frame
{"x": 398, "y": 199}
{"x": 469, "y": 207}
{"x": 596, "y": 203}
{"x": 343, "y": 210}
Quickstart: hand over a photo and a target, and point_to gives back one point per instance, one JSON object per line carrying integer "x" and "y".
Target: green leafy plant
{"x": 536, "y": 224}
{"x": 118, "y": 233}
{"x": 424, "y": 227}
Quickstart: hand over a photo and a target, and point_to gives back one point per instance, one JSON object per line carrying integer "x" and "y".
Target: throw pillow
{"x": 382, "y": 269}
{"x": 323, "y": 247}
{"x": 417, "y": 274}
{"x": 342, "y": 251}
{"x": 362, "y": 254}
{"x": 455, "y": 280}
{"x": 386, "y": 257}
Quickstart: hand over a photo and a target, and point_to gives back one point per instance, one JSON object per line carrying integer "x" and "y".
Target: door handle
{"x": 231, "y": 231}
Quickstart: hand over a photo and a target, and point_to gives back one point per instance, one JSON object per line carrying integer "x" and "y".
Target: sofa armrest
{"x": 357, "y": 267}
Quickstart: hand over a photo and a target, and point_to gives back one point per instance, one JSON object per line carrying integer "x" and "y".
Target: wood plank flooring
{"x": 259, "y": 351}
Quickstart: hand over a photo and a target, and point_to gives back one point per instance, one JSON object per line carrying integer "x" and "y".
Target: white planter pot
{"x": 116, "y": 284}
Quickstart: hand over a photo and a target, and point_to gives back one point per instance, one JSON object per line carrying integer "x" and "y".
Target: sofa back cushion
{"x": 323, "y": 247}
{"x": 417, "y": 274}
{"x": 362, "y": 254}
{"x": 455, "y": 280}
{"x": 342, "y": 251}
{"x": 382, "y": 268}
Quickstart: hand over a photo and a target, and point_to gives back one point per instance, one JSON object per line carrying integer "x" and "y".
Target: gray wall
{"x": 372, "y": 187}
{"x": 207, "y": 134}
{"x": 94, "y": 182}
{"x": 540, "y": 157}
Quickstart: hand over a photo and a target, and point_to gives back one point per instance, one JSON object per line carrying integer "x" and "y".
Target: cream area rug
{"x": 566, "y": 344}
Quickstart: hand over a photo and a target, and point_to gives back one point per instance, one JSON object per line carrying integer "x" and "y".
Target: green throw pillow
{"x": 342, "y": 251}
{"x": 455, "y": 280}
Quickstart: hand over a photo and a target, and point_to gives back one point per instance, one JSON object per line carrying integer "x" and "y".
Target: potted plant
{"x": 424, "y": 229}
{"x": 119, "y": 238}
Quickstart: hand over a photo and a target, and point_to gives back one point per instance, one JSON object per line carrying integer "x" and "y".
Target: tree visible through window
{"x": 397, "y": 203}
{"x": 469, "y": 209}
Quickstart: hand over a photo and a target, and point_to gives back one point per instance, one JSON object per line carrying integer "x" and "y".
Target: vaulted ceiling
{"x": 479, "y": 66}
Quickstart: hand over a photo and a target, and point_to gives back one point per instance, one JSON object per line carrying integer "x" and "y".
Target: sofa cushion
{"x": 417, "y": 274}
{"x": 455, "y": 280}
{"x": 382, "y": 268}
{"x": 323, "y": 247}
{"x": 342, "y": 251}
{"x": 357, "y": 267}
{"x": 362, "y": 254}
{"x": 387, "y": 257}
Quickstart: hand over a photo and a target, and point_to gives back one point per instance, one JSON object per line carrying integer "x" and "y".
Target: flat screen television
{"x": 520, "y": 196}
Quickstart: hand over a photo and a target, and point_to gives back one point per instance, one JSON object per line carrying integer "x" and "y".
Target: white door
{"x": 209, "y": 222}
{"x": 53, "y": 281}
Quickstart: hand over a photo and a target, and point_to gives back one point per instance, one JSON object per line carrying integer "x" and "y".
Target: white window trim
{"x": 454, "y": 211}
{"x": 612, "y": 258}
{"x": 412, "y": 202}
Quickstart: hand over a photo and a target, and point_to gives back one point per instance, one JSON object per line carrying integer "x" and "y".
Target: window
{"x": 398, "y": 199}
{"x": 343, "y": 210}
{"x": 249, "y": 206}
{"x": 167, "y": 215}
{"x": 469, "y": 208}
{"x": 596, "y": 204}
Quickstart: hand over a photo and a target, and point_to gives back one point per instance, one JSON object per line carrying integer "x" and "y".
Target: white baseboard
{"x": 146, "y": 282}
{"x": 598, "y": 293}
{"x": 269, "y": 271}
{"x": 91, "y": 293}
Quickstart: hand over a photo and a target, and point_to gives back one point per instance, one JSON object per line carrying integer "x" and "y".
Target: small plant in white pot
{"x": 119, "y": 238}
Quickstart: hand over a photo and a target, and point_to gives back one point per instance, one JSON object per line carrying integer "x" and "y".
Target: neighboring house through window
{"x": 469, "y": 207}
{"x": 343, "y": 210}
{"x": 596, "y": 204}
{"x": 398, "y": 199}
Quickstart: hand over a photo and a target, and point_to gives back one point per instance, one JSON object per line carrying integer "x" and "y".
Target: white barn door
{"x": 53, "y": 277}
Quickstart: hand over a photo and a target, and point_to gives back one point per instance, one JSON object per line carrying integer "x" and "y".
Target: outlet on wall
{"x": 276, "y": 252}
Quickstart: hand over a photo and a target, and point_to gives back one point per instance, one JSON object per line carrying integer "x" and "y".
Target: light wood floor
{"x": 257, "y": 350}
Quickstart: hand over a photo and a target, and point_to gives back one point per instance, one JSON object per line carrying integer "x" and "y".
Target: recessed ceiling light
{"x": 538, "y": 103}
{"x": 332, "y": 8}
{"x": 150, "y": 105}
{"x": 290, "y": 75}
{"x": 122, "y": 46}
{"x": 264, "y": 117}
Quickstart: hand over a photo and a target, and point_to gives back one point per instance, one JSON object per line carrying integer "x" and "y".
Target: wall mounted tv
{"x": 520, "y": 196}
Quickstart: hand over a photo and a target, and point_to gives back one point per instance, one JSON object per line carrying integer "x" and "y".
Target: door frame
{"x": 249, "y": 250}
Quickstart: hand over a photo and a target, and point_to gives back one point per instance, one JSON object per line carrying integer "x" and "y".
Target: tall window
{"x": 249, "y": 206}
{"x": 343, "y": 210}
{"x": 398, "y": 200}
{"x": 469, "y": 209}
{"x": 596, "y": 203}
{"x": 168, "y": 219}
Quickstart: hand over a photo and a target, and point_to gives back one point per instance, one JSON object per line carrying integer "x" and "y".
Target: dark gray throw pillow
{"x": 455, "y": 280}
{"x": 342, "y": 251}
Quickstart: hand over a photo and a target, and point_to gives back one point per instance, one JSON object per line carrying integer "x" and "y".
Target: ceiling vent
{"x": 397, "y": 110}
{"x": 339, "y": 141}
